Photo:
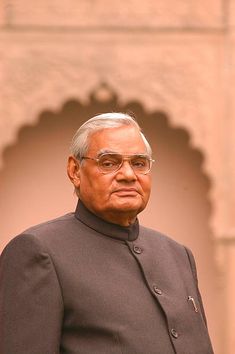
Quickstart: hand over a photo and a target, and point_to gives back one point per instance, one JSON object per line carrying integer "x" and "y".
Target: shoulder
{"x": 156, "y": 237}
{"x": 41, "y": 236}
{"x": 61, "y": 222}
{"x": 168, "y": 246}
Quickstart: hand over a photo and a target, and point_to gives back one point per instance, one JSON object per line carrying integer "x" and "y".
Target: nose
{"x": 126, "y": 172}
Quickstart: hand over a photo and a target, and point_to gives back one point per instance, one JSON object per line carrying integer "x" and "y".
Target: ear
{"x": 73, "y": 171}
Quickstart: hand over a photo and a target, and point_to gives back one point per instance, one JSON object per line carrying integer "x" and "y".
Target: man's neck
{"x": 120, "y": 218}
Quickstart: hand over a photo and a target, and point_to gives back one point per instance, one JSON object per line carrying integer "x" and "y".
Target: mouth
{"x": 126, "y": 192}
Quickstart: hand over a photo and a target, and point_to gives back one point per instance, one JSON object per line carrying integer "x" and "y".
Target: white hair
{"x": 80, "y": 141}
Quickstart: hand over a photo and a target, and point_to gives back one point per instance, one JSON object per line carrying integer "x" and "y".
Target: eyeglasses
{"x": 112, "y": 162}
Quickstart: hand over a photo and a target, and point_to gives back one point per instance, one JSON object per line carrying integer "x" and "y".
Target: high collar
{"x": 129, "y": 233}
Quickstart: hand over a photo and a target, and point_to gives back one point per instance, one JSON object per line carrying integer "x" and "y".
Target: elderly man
{"x": 95, "y": 281}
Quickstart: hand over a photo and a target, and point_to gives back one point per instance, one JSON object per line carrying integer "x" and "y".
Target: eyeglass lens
{"x": 112, "y": 162}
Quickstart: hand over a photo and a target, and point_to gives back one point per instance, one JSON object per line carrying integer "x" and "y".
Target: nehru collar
{"x": 129, "y": 233}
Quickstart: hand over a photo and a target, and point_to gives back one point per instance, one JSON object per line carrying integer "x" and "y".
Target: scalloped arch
{"x": 103, "y": 91}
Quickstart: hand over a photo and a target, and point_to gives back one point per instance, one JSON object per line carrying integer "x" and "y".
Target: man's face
{"x": 117, "y": 196}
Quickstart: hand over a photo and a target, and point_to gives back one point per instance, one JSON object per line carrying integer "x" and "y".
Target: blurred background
{"x": 171, "y": 63}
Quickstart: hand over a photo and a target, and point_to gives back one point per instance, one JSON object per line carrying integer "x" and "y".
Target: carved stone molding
{"x": 132, "y": 13}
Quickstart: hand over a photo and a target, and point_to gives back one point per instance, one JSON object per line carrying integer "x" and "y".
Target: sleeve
{"x": 194, "y": 271}
{"x": 31, "y": 305}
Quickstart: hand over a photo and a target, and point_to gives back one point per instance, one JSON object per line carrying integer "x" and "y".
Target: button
{"x": 137, "y": 249}
{"x": 174, "y": 333}
{"x": 157, "y": 290}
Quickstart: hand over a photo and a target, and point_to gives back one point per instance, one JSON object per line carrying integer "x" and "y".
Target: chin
{"x": 128, "y": 206}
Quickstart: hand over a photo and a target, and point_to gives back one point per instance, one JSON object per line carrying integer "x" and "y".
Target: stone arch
{"x": 103, "y": 98}
{"x": 29, "y": 110}
{"x": 181, "y": 204}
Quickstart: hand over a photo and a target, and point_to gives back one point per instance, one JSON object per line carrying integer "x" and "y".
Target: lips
{"x": 126, "y": 191}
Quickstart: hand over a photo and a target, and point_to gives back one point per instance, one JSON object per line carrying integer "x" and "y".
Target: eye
{"x": 109, "y": 162}
{"x": 139, "y": 163}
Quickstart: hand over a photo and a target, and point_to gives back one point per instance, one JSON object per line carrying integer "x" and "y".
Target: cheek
{"x": 98, "y": 185}
{"x": 104, "y": 186}
{"x": 145, "y": 183}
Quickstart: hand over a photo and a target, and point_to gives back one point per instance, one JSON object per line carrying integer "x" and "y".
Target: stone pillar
{"x": 226, "y": 262}
{"x": 230, "y": 295}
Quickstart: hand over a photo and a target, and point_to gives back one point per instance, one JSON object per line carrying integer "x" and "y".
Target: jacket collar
{"x": 129, "y": 233}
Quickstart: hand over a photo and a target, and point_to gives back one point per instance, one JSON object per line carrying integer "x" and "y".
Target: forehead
{"x": 124, "y": 140}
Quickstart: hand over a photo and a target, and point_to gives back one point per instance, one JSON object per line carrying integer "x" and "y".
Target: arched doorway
{"x": 34, "y": 186}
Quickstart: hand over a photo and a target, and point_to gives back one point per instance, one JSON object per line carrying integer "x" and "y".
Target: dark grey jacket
{"x": 79, "y": 285}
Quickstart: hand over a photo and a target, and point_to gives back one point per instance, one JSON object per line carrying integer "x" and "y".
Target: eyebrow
{"x": 107, "y": 151}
